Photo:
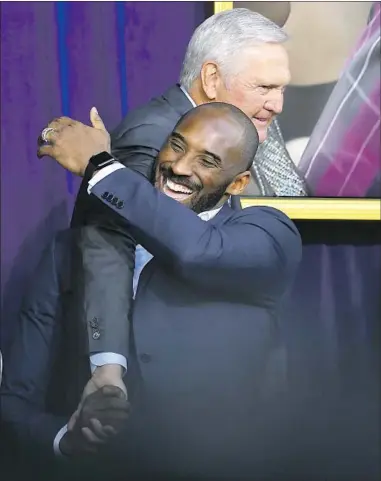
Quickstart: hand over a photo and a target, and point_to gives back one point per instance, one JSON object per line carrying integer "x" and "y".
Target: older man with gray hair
{"x": 238, "y": 57}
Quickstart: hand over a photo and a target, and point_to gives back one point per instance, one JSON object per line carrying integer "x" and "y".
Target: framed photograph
{"x": 336, "y": 156}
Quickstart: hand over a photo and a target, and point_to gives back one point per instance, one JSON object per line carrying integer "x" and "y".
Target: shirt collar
{"x": 188, "y": 96}
{"x": 209, "y": 214}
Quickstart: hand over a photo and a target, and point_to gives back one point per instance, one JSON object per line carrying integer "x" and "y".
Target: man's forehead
{"x": 267, "y": 64}
{"x": 209, "y": 138}
{"x": 207, "y": 120}
{"x": 208, "y": 129}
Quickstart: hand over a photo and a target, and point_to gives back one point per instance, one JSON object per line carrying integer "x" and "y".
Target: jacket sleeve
{"x": 260, "y": 246}
{"x": 28, "y": 363}
{"x": 106, "y": 251}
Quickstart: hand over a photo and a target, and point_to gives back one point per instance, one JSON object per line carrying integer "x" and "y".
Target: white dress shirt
{"x": 188, "y": 96}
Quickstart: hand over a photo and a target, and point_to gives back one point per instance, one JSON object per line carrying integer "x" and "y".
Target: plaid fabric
{"x": 342, "y": 158}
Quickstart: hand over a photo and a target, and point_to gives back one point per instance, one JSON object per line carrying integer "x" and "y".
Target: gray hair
{"x": 222, "y": 36}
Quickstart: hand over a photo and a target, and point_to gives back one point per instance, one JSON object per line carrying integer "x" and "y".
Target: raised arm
{"x": 259, "y": 244}
{"x": 106, "y": 254}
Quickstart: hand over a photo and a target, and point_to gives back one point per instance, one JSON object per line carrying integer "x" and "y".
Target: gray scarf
{"x": 273, "y": 171}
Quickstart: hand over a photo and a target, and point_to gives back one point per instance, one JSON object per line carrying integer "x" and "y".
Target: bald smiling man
{"x": 204, "y": 324}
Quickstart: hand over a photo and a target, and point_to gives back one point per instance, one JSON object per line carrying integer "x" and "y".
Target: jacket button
{"x": 120, "y": 204}
{"x": 96, "y": 335}
{"x": 105, "y": 195}
{"x": 109, "y": 198}
{"x": 145, "y": 358}
{"x": 114, "y": 201}
{"x": 94, "y": 323}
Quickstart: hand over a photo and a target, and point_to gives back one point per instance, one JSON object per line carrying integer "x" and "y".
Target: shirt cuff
{"x": 102, "y": 173}
{"x": 104, "y": 358}
{"x": 57, "y": 440}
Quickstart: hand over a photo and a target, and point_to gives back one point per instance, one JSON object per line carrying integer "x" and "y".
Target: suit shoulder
{"x": 277, "y": 231}
{"x": 274, "y": 221}
{"x": 148, "y": 125}
{"x": 264, "y": 212}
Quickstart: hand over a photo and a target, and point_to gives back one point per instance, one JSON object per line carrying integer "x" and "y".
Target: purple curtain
{"x": 63, "y": 58}
{"x": 331, "y": 320}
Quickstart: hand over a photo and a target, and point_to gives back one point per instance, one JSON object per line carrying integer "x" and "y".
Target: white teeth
{"x": 177, "y": 187}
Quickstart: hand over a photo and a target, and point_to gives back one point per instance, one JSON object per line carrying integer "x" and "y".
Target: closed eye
{"x": 176, "y": 146}
{"x": 210, "y": 164}
{"x": 263, "y": 89}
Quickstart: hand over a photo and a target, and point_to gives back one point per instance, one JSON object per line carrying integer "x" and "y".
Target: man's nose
{"x": 182, "y": 166}
{"x": 275, "y": 103}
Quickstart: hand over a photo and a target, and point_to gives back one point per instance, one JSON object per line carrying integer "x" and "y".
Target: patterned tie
{"x": 273, "y": 171}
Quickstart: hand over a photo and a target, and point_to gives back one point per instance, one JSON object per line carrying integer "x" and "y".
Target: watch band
{"x": 99, "y": 161}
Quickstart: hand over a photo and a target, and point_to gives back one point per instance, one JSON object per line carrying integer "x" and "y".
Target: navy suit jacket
{"x": 204, "y": 319}
{"x": 204, "y": 325}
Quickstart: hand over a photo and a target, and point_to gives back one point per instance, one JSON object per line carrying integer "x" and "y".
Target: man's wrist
{"x": 103, "y": 358}
{"x": 108, "y": 371}
{"x": 100, "y": 161}
{"x": 102, "y": 173}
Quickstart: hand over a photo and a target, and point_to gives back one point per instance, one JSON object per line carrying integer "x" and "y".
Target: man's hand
{"x": 77, "y": 442}
{"x": 102, "y": 414}
{"x": 107, "y": 375}
{"x": 72, "y": 143}
{"x": 95, "y": 430}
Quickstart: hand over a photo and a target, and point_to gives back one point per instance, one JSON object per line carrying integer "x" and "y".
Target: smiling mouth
{"x": 261, "y": 121}
{"x": 176, "y": 191}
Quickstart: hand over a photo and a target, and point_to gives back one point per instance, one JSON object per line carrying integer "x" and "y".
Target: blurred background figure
{"x": 342, "y": 158}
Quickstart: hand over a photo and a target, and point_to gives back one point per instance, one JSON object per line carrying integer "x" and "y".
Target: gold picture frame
{"x": 313, "y": 208}
{"x": 222, "y": 6}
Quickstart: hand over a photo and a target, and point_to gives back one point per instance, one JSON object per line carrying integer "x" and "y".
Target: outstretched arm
{"x": 259, "y": 244}
{"x": 106, "y": 259}
{"x": 106, "y": 255}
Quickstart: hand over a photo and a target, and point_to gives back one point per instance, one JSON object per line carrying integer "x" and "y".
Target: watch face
{"x": 101, "y": 159}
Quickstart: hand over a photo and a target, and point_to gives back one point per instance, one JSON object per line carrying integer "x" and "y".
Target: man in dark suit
{"x": 253, "y": 80}
{"x": 45, "y": 370}
{"x": 204, "y": 319}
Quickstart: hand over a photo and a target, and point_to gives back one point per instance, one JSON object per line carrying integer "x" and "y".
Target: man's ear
{"x": 210, "y": 79}
{"x": 239, "y": 184}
